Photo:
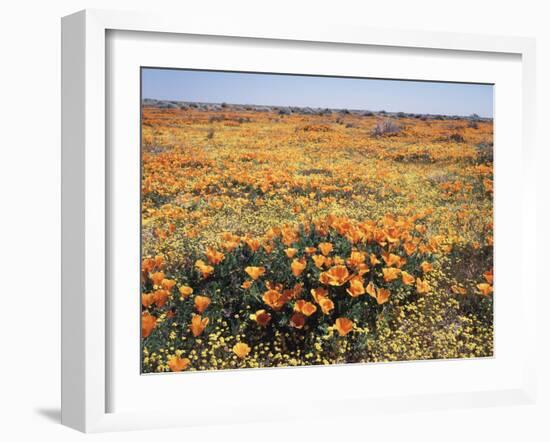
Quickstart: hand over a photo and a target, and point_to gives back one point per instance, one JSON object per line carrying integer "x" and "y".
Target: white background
{"x": 30, "y": 215}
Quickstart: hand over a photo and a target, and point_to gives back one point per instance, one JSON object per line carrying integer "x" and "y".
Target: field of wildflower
{"x": 276, "y": 238}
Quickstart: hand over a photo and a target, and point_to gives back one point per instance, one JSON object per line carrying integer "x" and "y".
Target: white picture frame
{"x": 85, "y": 214}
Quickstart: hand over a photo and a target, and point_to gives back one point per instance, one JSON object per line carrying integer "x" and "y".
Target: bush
{"x": 386, "y": 128}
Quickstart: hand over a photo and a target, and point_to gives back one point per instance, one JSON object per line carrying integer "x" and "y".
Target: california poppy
{"x": 407, "y": 278}
{"x": 185, "y": 291}
{"x": 255, "y": 272}
{"x": 202, "y": 303}
{"x": 213, "y": 256}
{"x": 178, "y": 364}
{"x": 422, "y": 287}
{"x": 343, "y": 326}
{"x": 484, "y": 288}
{"x": 261, "y": 317}
{"x": 356, "y": 287}
{"x": 290, "y": 252}
{"x": 198, "y": 324}
{"x": 297, "y": 320}
{"x": 297, "y": 267}
{"x": 325, "y": 248}
{"x": 390, "y": 273}
{"x": 241, "y": 350}
{"x": 335, "y": 276}
{"x": 148, "y": 323}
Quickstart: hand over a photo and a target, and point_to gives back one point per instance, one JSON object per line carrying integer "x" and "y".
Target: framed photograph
{"x": 276, "y": 222}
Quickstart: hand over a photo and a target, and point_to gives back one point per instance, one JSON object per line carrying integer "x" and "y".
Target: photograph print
{"x": 296, "y": 220}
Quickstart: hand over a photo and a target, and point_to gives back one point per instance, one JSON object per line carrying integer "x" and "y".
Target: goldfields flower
{"x": 178, "y": 364}
{"x": 255, "y": 272}
{"x": 457, "y": 290}
{"x": 343, "y": 326}
{"x": 241, "y": 350}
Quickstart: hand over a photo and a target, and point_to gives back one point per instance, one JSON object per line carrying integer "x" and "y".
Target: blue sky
{"x": 331, "y": 92}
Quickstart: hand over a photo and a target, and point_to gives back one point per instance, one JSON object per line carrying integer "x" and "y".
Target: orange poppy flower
{"x": 202, "y": 303}
{"x": 178, "y": 364}
{"x": 307, "y": 308}
{"x": 319, "y": 293}
{"x": 198, "y": 324}
{"x": 371, "y": 289}
{"x": 147, "y": 265}
{"x": 297, "y": 320}
{"x": 310, "y": 250}
{"x": 213, "y": 256}
{"x": 457, "y": 290}
{"x": 390, "y": 273}
{"x": 157, "y": 278}
{"x": 335, "y": 276}
{"x": 326, "y": 305}
{"x": 261, "y": 317}
{"x": 147, "y": 299}
{"x": 159, "y": 261}
{"x": 168, "y": 284}
{"x": 161, "y": 297}
{"x": 204, "y": 269}
{"x": 318, "y": 260}
{"x": 488, "y": 275}
{"x": 247, "y": 284}
{"x": 356, "y": 287}
{"x": 356, "y": 259}
{"x": 422, "y": 287}
{"x": 241, "y": 350}
{"x": 255, "y": 272}
{"x": 148, "y": 323}
{"x": 297, "y": 267}
{"x": 185, "y": 291}
{"x": 407, "y": 278}
{"x": 409, "y": 248}
{"x": 268, "y": 247}
{"x": 484, "y": 288}
{"x": 373, "y": 260}
{"x": 290, "y": 252}
{"x": 274, "y": 299}
{"x": 420, "y": 228}
{"x": 382, "y": 296}
{"x": 325, "y": 248}
{"x": 343, "y": 326}
{"x": 426, "y": 267}
{"x": 391, "y": 259}
{"x": 254, "y": 244}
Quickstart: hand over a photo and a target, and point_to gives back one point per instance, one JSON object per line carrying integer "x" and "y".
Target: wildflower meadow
{"x": 276, "y": 237}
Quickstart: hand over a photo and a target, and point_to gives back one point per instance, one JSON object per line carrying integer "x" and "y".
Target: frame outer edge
{"x": 73, "y": 361}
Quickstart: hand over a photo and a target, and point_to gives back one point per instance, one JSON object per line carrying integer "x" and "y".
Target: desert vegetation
{"x": 297, "y": 236}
